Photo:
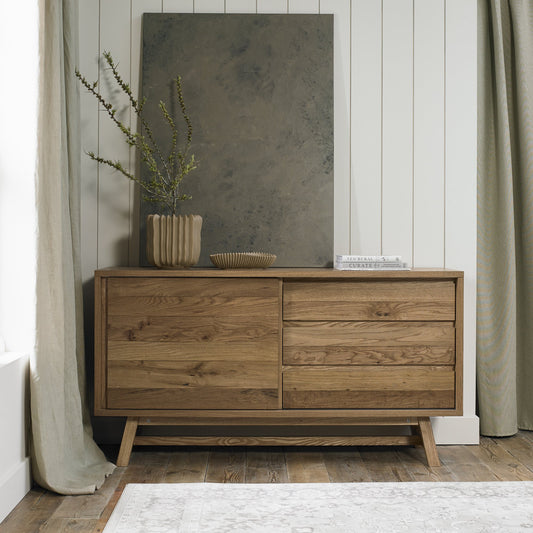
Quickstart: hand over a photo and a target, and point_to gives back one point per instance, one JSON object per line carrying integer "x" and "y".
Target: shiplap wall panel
{"x": 303, "y": 6}
{"x": 342, "y": 114}
{"x": 461, "y": 164}
{"x": 272, "y": 6}
{"x": 366, "y": 92}
{"x": 428, "y": 163}
{"x": 178, "y": 6}
{"x": 241, "y": 6}
{"x": 88, "y": 66}
{"x": 397, "y": 147}
{"x": 209, "y": 6}
{"x": 114, "y": 189}
{"x": 138, "y": 7}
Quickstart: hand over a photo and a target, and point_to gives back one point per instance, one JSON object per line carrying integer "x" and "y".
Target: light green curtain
{"x": 505, "y": 216}
{"x": 65, "y": 458}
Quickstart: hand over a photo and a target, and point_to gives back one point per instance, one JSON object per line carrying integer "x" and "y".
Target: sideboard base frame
{"x": 422, "y": 435}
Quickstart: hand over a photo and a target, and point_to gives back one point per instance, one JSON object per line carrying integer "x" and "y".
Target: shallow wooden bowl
{"x": 242, "y": 260}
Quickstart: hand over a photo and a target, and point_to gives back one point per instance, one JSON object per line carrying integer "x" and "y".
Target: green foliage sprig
{"x": 166, "y": 171}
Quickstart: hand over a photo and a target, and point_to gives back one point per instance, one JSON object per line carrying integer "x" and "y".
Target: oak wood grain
{"x": 280, "y": 273}
{"x": 205, "y": 397}
{"x": 196, "y": 330}
{"x": 275, "y": 416}
{"x": 100, "y": 342}
{"x": 128, "y": 437}
{"x": 165, "y": 374}
{"x": 192, "y": 343}
{"x": 421, "y": 400}
{"x": 364, "y": 300}
{"x": 367, "y": 378}
{"x": 358, "y": 440}
{"x": 180, "y": 307}
{"x": 291, "y": 419}
{"x": 364, "y": 343}
{"x": 428, "y": 441}
{"x": 192, "y": 352}
{"x": 364, "y": 387}
{"x": 459, "y": 333}
{"x": 207, "y": 287}
{"x": 186, "y": 297}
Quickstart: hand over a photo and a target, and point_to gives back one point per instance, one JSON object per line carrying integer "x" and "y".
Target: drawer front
{"x": 192, "y": 344}
{"x": 368, "y": 343}
{"x": 368, "y": 388}
{"x": 375, "y": 300}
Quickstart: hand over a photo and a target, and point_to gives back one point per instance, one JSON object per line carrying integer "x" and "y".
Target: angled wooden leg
{"x": 428, "y": 441}
{"x": 127, "y": 441}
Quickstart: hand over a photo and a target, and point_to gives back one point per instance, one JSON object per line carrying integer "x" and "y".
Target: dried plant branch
{"x": 166, "y": 171}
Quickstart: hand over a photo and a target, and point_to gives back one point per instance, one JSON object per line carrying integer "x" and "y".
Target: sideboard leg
{"x": 127, "y": 441}
{"x": 428, "y": 441}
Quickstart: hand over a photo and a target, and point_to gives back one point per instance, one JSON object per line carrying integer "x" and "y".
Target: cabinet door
{"x": 187, "y": 343}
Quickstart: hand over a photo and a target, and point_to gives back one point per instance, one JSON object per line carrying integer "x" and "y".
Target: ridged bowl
{"x": 242, "y": 260}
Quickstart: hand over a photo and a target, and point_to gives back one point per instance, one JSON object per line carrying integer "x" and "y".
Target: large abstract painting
{"x": 259, "y": 92}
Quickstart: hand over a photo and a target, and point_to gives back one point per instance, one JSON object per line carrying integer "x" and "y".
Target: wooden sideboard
{"x": 278, "y": 348}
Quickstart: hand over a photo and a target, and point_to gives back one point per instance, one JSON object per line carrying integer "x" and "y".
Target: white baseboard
{"x": 456, "y": 429}
{"x": 14, "y": 486}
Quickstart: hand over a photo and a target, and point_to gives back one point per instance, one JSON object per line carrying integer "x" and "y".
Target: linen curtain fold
{"x": 505, "y": 216}
{"x": 65, "y": 458}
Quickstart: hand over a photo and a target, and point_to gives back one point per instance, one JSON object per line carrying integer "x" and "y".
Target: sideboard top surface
{"x": 281, "y": 273}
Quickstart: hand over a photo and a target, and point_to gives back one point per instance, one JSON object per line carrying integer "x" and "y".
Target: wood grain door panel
{"x": 193, "y": 343}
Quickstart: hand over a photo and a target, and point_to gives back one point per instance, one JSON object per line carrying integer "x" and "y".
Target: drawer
{"x": 364, "y": 300}
{"x": 368, "y": 343}
{"x": 368, "y": 387}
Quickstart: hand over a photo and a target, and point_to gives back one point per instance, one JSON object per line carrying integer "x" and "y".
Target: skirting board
{"x": 456, "y": 429}
{"x": 14, "y": 486}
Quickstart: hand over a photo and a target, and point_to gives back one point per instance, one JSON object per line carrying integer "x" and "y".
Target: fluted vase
{"x": 173, "y": 241}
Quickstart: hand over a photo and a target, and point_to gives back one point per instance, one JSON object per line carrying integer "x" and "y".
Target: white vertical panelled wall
{"x": 405, "y": 138}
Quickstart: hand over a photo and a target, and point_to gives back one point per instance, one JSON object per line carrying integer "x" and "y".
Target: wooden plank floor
{"x": 502, "y": 459}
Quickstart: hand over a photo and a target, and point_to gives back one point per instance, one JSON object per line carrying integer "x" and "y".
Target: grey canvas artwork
{"x": 259, "y": 92}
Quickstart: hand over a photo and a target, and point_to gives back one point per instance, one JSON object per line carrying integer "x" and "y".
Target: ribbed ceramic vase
{"x": 173, "y": 241}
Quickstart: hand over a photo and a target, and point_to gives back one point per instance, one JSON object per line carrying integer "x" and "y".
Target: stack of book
{"x": 370, "y": 262}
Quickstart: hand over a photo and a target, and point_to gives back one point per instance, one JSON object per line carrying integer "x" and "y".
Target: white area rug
{"x": 324, "y": 508}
